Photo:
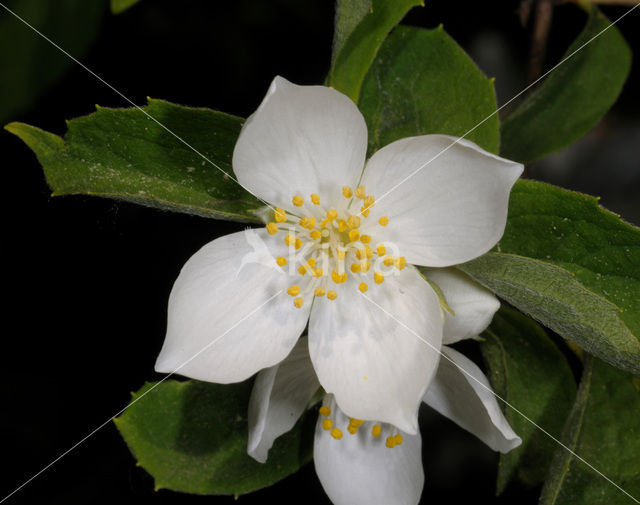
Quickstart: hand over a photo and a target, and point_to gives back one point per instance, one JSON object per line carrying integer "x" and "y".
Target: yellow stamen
{"x": 298, "y": 243}
{"x": 381, "y": 250}
{"x": 281, "y": 261}
{"x": 315, "y": 234}
{"x": 361, "y": 254}
{"x": 302, "y": 269}
{"x": 384, "y": 221}
{"x": 272, "y": 228}
{"x": 354, "y": 235}
{"x": 336, "y": 433}
{"x": 332, "y": 295}
{"x": 369, "y": 201}
{"x": 398, "y": 439}
{"x": 298, "y": 302}
{"x": 378, "y": 277}
{"x": 347, "y": 192}
{"x": 391, "y": 442}
{"x": 319, "y": 291}
{"x": 327, "y": 424}
{"x": 311, "y": 262}
{"x": 297, "y": 201}
{"x": 365, "y": 265}
{"x": 356, "y": 422}
{"x": 315, "y": 198}
{"x": 355, "y": 268}
{"x": 332, "y": 214}
{"x": 401, "y": 262}
{"x": 294, "y": 290}
{"x": 376, "y": 431}
{"x": 342, "y": 225}
{"x": 352, "y": 429}
{"x": 368, "y": 251}
{"x": 323, "y": 223}
{"x": 280, "y": 215}
{"x": 389, "y": 261}
{"x": 365, "y": 211}
{"x": 353, "y": 222}
{"x": 324, "y": 411}
{"x": 341, "y": 253}
{"x": 317, "y": 272}
{"x": 365, "y": 239}
{"x": 361, "y": 192}
{"x": 290, "y": 239}
{"x": 308, "y": 222}
{"x": 363, "y": 287}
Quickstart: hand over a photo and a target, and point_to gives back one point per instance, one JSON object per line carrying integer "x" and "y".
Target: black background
{"x": 86, "y": 280}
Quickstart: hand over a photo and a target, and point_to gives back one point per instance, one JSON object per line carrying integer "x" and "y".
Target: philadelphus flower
{"x": 365, "y": 462}
{"x": 333, "y": 256}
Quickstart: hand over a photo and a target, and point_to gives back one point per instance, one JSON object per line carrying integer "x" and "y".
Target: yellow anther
{"x": 369, "y": 201}
{"x": 398, "y": 438}
{"x": 319, "y": 291}
{"x": 378, "y": 277}
{"x": 315, "y": 198}
{"x": 368, "y": 251}
{"x": 356, "y": 422}
{"x": 381, "y": 250}
{"x": 365, "y": 239}
{"x": 325, "y": 411}
{"x": 335, "y": 277}
{"x": 280, "y": 215}
{"x": 354, "y": 235}
{"x": 361, "y": 254}
{"x": 361, "y": 192}
{"x": 376, "y": 431}
{"x": 297, "y": 201}
{"x": 298, "y": 302}
{"x": 336, "y": 433}
{"x": 352, "y": 429}
{"x": 343, "y": 277}
{"x": 272, "y": 228}
{"x": 353, "y": 222}
{"x": 332, "y": 214}
{"x": 323, "y": 223}
{"x": 365, "y": 211}
{"x": 384, "y": 221}
{"x": 317, "y": 272}
{"x": 302, "y": 269}
{"x": 365, "y": 266}
{"x": 347, "y": 192}
{"x": 281, "y": 261}
{"x": 363, "y": 287}
{"x": 327, "y": 424}
{"x": 308, "y": 222}
{"x": 391, "y": 442}
{"x": 332, "y": 295}
{"x": 294, "y": 290}
{"x": 401, "y": 262}
{"x": 389, "y": 261}
{"x": 341, "y": 253}
{"x": 290, "y": 239}
{"x": 315, "y": 234}
{"x": 355, "y": 267}
{"x": 298, "y": 243}
{"x": 342, "y": 225}
{"x": 311, "y": 262}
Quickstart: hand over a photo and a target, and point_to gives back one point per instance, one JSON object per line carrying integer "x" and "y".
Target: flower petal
{"x": 279, "y": 397}
{"x": 229, "y": 315}
{"x": 359, "y": 469}
{"x": 301, "y": 140}
{"x": 365, "y": 349}
{"x": 468, "y": 400}
{"x": 446, "y": 203}
{"x": 473, "y": 305}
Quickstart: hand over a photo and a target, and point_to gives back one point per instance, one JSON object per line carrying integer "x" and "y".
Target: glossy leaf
{"x": 349, "y": 14}
{"x": 192, "y": 437}
{"x": 355, "y": 53}
{"x": 123, "y": 154}
{"x": 571, "y": 265}
{"x": 528, "y": 371}
{"x": 604, "y": 430}
{"x": 574, "y": 97}
{"x": 28, "y": 63}
{"x": 423, "y": 82}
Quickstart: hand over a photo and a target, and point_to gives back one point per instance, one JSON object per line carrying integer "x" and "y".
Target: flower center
{"x": 327, "y": 245}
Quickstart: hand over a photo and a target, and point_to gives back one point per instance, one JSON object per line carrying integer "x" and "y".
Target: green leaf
{"x": 192, "y": 437}
{"x": 604, "y": 430}
{"x": 119, "y": 6}
{"x": 423, "y": 82}
{"x": 574, "y": 97}
{"x": 123, "y": 154}
{"x": 529, "y": 371}
{"x": 28, "y": 63}
{"x": 571, "y": 265}
{"x": 356, "y": 47}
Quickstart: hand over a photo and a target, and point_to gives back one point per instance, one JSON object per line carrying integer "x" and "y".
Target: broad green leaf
{"x": 355, "y": 53}
{"x": 28, "y": 63}
{"x": 571, "y": 265}
{"x": 192, "y": 437}
{"x": 528, "y": 371}
{"x": 423, "y": 82}
{"x": 119, "y": 6}
{"x": 574, "y": 97}
{"x": 122, "y": 153}
{"x": 604, "y": 430}
{"x": 349, "y": 13}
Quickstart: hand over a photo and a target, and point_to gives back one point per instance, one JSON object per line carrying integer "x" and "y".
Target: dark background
{"x": 86, "y": 280}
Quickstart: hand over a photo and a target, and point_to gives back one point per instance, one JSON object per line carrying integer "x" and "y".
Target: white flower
{"x": 374, "y": 463}
{"x": 328, "y": 242}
